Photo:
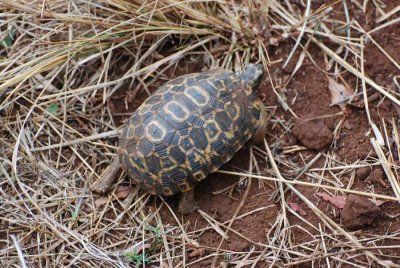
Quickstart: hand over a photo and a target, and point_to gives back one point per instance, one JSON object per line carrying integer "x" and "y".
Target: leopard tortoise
{"x": 188, "y": 129}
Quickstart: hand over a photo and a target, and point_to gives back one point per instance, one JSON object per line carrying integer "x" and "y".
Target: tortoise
{"x": 188, "y": 129}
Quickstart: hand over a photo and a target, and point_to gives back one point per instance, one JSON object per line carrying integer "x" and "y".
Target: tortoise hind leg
{"x": 187, "y": 203}
{"x": 107, "y": 178}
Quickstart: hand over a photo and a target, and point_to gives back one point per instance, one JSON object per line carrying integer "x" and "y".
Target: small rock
{"x": 359, "y": 211}
{"x": 313, "y": 135}
{"x": 376, "y": 173}
{"x": 363, "y": 173}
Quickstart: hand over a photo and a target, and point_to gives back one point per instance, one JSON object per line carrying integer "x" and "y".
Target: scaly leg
{"x": 259, "y": 135}
{"x": 107, "y": 178}
{"x": 187, "y": 204}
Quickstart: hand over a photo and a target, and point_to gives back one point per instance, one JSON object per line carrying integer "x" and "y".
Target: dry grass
{"x": 62, "y": 62}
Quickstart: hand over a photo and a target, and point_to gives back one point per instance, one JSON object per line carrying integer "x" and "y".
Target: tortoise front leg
{"x": 187, "y": 203}
{"x": 107, "y": 178}
{"x": 259, "y": 135}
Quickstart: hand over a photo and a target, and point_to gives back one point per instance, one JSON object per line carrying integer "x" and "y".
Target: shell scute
{"x": 189, "y": 128}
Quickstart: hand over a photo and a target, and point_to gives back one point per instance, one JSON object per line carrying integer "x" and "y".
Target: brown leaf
{"x": 338, "y": 201}
{"x": 120, "y": 193}
{"x": 377, "y": 202}
{"x": 339, "y": 92}
{"x": 297, "y": 208}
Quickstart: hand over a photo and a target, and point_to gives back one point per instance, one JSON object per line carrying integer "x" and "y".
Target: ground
{"x": 328, "y": 202}
{"x": 309, "y": 95}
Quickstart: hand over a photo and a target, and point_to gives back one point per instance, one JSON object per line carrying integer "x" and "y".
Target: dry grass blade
{"x": 328, "y": 222}
{"x": 76, "y": 141}
{"x": 20, "y": 254}
{"x": 354, "y": 71}
{"x": 387, "y": 168}
{"x": 382, "y": 26}
{"x": 303, "y": 183}
{"x": 213, "y": 224}
{"x": 388, "y": 14}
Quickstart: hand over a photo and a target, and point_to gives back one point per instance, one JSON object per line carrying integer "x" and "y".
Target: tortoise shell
{"x": 189, "y": 128}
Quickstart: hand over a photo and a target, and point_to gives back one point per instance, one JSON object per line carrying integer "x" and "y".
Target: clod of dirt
{"x": 197, "y": 253}
{"x": 313, "y": 135}
{"x": 363, "y": 173}
{"x": 359, "y": 211}
{"x": 297, "y": 208}
{"x": 239, "y": 245}
{"x": 377, "y": 176}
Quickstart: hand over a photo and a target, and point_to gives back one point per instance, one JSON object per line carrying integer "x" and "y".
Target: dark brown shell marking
{"x": 189, "y": 128}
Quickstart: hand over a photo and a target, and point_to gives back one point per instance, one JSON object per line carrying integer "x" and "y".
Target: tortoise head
{"x": 252, "y": 75}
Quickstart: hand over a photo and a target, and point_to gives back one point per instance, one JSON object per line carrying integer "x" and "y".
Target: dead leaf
{"x": 120, "y": 193}
{"x": 338, "y": 201}
{"x": 297, "y": 208}
{"x": 377, "y": 202}
{"x": 339, "y": 92}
